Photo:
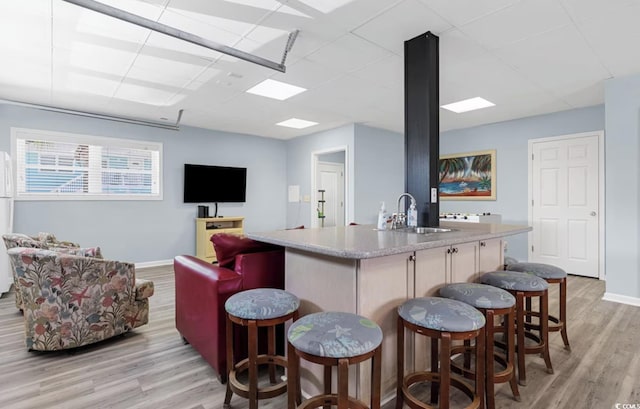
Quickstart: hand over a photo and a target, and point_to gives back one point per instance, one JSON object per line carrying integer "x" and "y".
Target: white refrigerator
{"x": 6, "y": 219}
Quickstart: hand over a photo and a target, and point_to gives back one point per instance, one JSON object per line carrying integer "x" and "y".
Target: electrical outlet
{"x": 505, "y": 245}
{"x": 306, "y": 199}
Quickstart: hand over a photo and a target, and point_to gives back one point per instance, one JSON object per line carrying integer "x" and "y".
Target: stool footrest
{"x": 331, "y": 400}
{"x": 266, "y": 392}
{"x": 427, "y": 376}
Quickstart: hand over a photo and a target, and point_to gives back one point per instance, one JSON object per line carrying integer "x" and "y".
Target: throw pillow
{"x": 228, "y": 246}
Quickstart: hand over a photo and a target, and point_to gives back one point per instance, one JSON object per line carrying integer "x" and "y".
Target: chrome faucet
{"x": 399, "y": 219}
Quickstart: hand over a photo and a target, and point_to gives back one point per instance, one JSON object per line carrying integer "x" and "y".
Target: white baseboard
{"x": 157, "y": 263}
{"x": 622, "y": 299}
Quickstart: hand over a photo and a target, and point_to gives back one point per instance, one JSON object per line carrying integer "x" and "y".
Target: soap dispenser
{"x": 412, "y": 217}
{"x": 382, "y": 217}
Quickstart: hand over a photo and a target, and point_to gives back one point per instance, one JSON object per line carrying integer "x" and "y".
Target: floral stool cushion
{"x": 479, "y": 295}
{"x": 513, "y": 280}
{"x": 335, "y": 334}
{"x": 539, "y": 269}
{"x": 441, "y": 314}
{"x": 262, "y": 304}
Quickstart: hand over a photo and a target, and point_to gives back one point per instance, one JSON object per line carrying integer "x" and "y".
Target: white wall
{"x": 510, "y": 139}
{"x": 622, "y": 150}
{"x": 140, "y": 231}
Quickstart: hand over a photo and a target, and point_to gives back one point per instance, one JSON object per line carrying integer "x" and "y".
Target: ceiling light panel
{"x": 325, "y": 6}
{"x": 275, "y": 89}
{"x": 466, "y": 105}
{"x": 297, "y": 123}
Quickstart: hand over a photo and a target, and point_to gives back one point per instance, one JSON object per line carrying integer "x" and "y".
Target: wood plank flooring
{"x": 151, "y": 367}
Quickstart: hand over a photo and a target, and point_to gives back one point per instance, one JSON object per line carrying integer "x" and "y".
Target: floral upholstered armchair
{"x": 44, "y": 241}
{"x": 72, "y": 300}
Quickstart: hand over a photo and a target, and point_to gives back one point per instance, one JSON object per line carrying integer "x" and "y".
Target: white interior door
{"x": 330, "y": 178}
{"x": 565, "y": 213}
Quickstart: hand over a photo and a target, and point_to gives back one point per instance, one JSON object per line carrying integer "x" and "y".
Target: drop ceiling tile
{"x": 455, "y": 47}
{"x": 349, "y": 53}
{"x": 388, "y": 72}
{"x": 524, "y": 19}
{"x": 403, "y": 22}
{"x": 560, "y": 59}
{"x": 100, "y": 59}
{"x": 307, "y": 74}
{"x": 129, "y": 90}
{"x": 614, "y": 38}
{"x": 180, "y": 49}
{"x": 588, "y": 9}
{"x": 229, "y": 16}
{"x": 461, "y": 12}
{"x": 587, "y": 96}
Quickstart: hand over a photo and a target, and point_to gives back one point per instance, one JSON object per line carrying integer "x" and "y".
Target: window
{"x": 53, "y": 165}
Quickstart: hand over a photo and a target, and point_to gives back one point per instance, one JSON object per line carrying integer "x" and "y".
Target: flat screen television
{"x": 209, "y": 184}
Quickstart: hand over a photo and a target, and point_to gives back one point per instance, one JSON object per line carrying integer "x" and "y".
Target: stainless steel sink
{"x": 428, "y": 230}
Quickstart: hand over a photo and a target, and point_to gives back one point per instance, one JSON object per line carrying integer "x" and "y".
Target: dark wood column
{"x": 422, "y": 124}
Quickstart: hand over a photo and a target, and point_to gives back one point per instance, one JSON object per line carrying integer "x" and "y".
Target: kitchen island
{"x": 362, "y": 270}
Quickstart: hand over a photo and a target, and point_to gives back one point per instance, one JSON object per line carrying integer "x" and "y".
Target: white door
{"x": 330, "y": 178}
{"x": 565, "y": 204}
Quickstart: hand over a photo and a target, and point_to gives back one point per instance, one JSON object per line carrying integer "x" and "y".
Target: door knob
{"x": 593, "y": 213}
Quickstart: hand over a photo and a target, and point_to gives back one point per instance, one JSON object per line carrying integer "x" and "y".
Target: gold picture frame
{"x": 468, "y": 176}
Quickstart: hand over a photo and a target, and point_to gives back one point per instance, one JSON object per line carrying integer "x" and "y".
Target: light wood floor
{"x": 151, "y": 367}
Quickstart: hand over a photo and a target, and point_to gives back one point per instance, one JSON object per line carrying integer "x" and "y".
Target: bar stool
{"x": 334, "y": 339}
{"x": 262, "y": 307}
{"x": 523, "y": 286}
{"x": 444, "y": 320}
{"x": 491, "y": 302}
{"x": 552, "y": 275}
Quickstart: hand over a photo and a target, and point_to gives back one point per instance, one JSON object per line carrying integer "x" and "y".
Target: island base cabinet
{"x": 322, "y": 283}
{"x": 491, "y": 255}
{"x": 374, "y": 288}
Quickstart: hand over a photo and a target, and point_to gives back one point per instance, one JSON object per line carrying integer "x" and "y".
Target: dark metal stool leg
{"x": 230, "y": 363}
{"x": 563, "y": 313}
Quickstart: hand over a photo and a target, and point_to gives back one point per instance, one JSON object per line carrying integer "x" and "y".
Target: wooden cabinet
{"x": 207, "y": 227}
{"x": 443, "y": 265}
{"x": 491, "y": 255}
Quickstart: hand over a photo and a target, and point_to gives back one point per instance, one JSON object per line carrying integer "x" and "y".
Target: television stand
{"x": 207, "y": 227}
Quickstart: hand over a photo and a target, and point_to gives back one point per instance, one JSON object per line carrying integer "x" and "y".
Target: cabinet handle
{"x": 454, "y": 250}
{"x": 483, "y": 244}
{"x": 412, "y": 258}
{"x": 448, "y": 251}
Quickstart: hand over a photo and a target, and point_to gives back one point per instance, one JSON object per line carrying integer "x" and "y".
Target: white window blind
{"x": 53, "y": 165}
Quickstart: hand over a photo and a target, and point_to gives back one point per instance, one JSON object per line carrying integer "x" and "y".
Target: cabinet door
{"x": 491, "y": 255}
{"x": 431, "y": 271}
{"x": 464, "y": 262}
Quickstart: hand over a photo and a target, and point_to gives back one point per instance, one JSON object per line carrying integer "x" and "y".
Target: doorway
{"x": 566, "y": 196}
{"x": 329, "y": 176}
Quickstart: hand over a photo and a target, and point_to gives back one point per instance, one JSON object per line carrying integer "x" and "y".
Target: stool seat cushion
{"x": 441, "y": 314}
{"x": 262, "y": 304}
{"x": 538, "y": 269}
{"x": 479, "y": 295}
{"x": 513, "y": 280}
{"x": 335, "y": 335}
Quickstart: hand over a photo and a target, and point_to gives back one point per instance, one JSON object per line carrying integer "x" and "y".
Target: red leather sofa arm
{"x": 261, "y": 270}
{"x": 201, "y": 289}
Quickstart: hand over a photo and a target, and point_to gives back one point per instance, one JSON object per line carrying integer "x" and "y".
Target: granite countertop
{"x": 364, "y": 241}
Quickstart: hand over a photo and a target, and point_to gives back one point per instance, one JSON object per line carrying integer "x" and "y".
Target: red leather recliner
{"x": 203, "y": 288}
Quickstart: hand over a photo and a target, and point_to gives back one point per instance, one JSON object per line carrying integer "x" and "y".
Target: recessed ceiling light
{"x": 276, "y": 90}
{"x": 297, "y": 123}
{"x": 468, "y": 105}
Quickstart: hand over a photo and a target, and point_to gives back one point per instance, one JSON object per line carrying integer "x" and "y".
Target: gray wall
{"x": 622, "y": 150}
{"x": 140, "y": 231}
{"x": 510, "y": 139}
{"x": 379, "y": 172}
{"x": 299, "y": 151}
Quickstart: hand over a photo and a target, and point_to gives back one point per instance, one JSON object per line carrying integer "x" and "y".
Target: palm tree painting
{"x": 468, "y": 176}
